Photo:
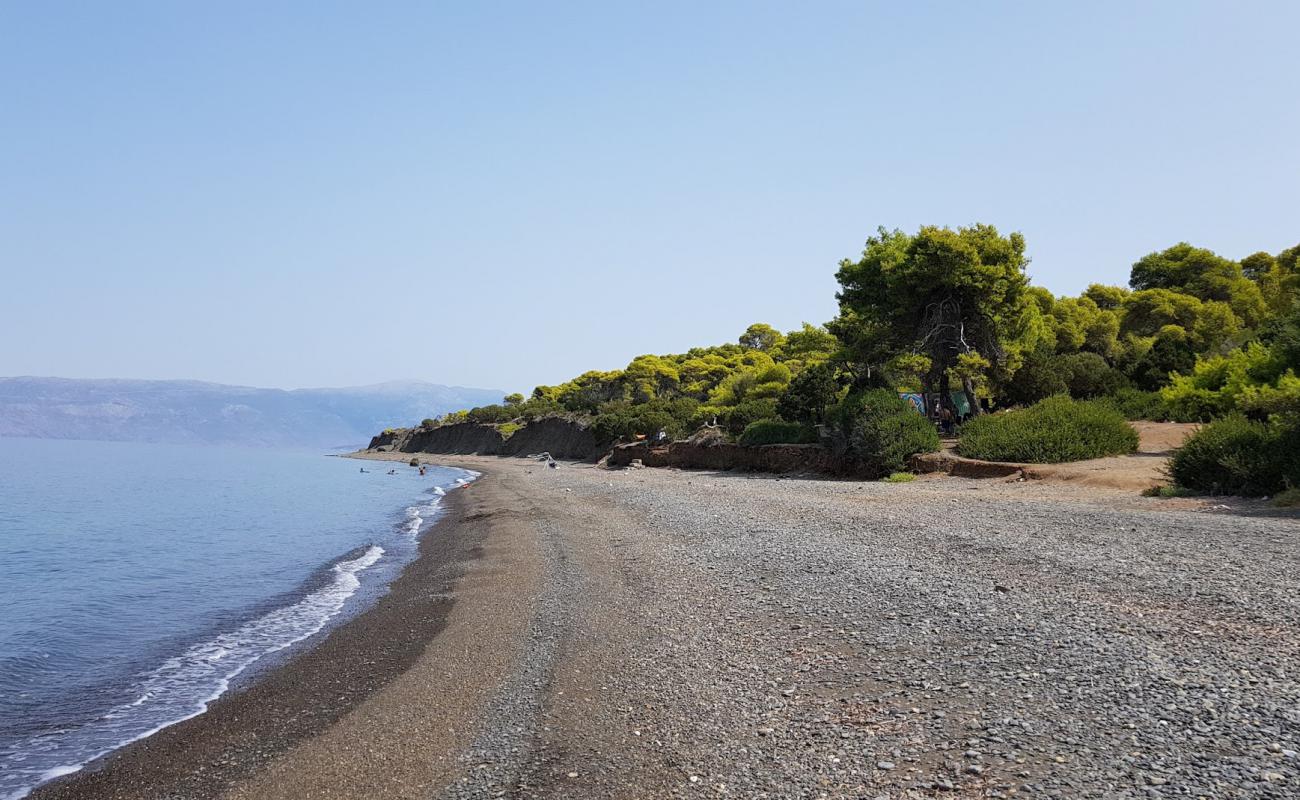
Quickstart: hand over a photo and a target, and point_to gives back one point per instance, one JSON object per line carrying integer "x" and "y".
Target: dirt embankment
{"x": 562, "y": 438}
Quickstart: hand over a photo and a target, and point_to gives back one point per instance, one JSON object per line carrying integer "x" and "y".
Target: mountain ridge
{"x": 204, "y": 412}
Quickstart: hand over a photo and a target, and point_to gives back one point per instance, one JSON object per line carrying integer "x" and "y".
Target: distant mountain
{"x": 213, "y": 413}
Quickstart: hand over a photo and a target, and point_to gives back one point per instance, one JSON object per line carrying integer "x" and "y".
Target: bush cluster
{"x": 883, "y": 431}
{"x": 1135, "y": 404}
{"x": 621, "y": 419}
{"x": 1052, "y": 431}
{"x": 1235, "y": 455}
{"x": 775, "y": 431}
{"x": 1081, "y": 375}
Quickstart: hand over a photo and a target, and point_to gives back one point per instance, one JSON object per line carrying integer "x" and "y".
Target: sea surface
{"x": 140, "y": 581}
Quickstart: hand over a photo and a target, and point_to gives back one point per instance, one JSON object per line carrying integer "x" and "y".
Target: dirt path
{"x": 1142, "y": 470}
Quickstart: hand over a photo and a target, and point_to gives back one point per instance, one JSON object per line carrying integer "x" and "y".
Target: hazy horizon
{"x": 396, "y": 382}
{"x": 299, "y": 196}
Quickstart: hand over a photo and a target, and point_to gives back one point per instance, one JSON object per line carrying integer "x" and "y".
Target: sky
{"x": 504, "y": 195}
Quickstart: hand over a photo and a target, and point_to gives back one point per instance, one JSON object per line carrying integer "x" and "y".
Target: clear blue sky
{"x": 502, "y": 195}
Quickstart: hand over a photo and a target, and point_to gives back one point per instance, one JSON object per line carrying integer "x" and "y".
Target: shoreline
{"x": 292, "y": 699}
{"x": 583, "y": 633}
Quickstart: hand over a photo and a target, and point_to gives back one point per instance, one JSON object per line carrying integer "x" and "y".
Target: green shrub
{"x": 1289, "y": 498}
{"x": 1218, "y": 384}
{"x": 883, "y": 430}
{"x": 1136, "y": 404}
{"x": 734, "y": 419}
{"x": 1235, "y": 455}
{"x": 621, "y": 419}
{"x": 1052, "y": 431}
{"x": 809, "y": 394}
{"x": 1039, "y": 377}
{"x": 507, "y": 429}
{"x": 775, "y": 431}
{"x": 1168, "y": 491}
{"x": 1088, "y": 375}
{"x": 899, "y": 477}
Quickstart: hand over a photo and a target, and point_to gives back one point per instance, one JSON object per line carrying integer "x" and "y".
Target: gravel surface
{"x": 655, "y": 634}
{"x": 753, "y": 637}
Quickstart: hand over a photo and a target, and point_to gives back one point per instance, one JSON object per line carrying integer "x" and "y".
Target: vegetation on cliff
{"x": 951, "y": 314}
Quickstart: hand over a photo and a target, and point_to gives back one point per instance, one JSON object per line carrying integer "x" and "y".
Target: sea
{"x": 138, "y": 582}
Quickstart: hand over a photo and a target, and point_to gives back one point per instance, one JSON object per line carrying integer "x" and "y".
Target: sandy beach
{"x": 581, "y": 632}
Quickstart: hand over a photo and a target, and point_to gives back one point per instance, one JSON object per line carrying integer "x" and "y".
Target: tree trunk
{"x": 968, "y": 386}
{"x": 945, "y": 392}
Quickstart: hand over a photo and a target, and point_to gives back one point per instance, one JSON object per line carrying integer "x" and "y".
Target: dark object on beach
{"x": 552, "y": 464}
{"x": 415, "y": 462}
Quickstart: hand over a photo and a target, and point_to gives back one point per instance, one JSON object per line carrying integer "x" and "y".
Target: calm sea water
{"x": 138, "y": 581}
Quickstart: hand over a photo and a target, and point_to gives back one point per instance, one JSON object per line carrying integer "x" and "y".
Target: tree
{"x": 1039, "y": 377}
{"x": 1148, "y": 311}
{"x": 809, "y": 395}
{"x": 1107, "y": 298}
{"x": 648, "y": 377}
{"x": 761, "y": 336}
{"x": 1168, "y": 354}
{"x": 514, "y": 399}
{"x": 1203, "y": 274}
{"x": 942, "y": 293}
{"x": 809, "y": 343}
{"x": 1080, "y": 324}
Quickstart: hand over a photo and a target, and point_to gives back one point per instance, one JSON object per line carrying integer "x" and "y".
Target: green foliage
{"x": 734, "y": 419}
{"x": 940, "y": 292}
{"x": 809, "y": 395}
{"x": 1168, "y": 492}
{"x": 809, "y": 344}
{"x": 775, "y": 431}
{"x": 1107, "y": 298}
{"x": 507, "y": 429}
{"x": 1079, "y": 324}
{"x": 1088, "y": 375}
{"x": 899, "y": 477}
{"x": 428, "y": 422}
{"x": 1250, "y": 378}
{"x": 1040, "y": 376}
{"x": 1203, "y": 274}
{"x": 1051, "y": 431}
{"x": 761, "y": 336}
{"x": 1044, "y": 374}
{"x": 1287, "y": 498}
{"x": 1170, "y": 353}
{"x": 922, "y": 311}
{"x": 622, "y": 419}
{"x": 1135, "y": 404}
{"x": 883, "y": 430}
{"x": 1235, "y": 455}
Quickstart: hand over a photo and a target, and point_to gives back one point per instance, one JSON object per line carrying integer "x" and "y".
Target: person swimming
{"x": 363, "y": 469}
